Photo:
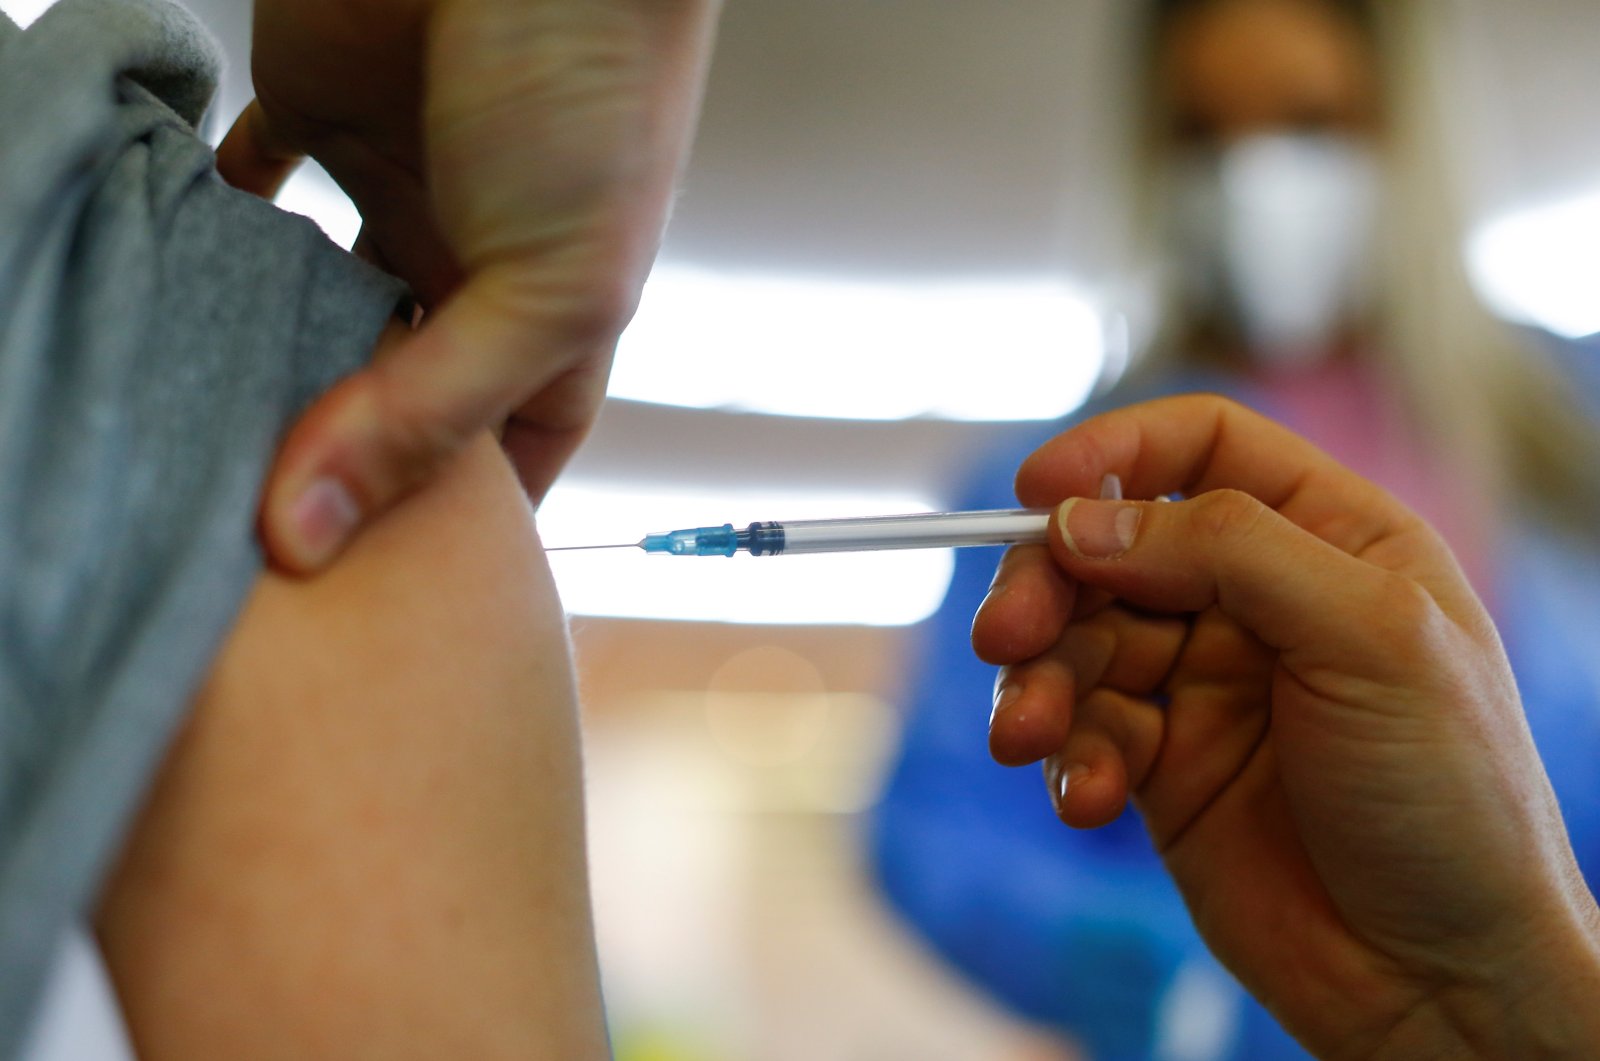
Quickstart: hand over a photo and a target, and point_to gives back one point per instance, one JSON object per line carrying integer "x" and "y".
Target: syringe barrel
{"x": 922, "y": 530}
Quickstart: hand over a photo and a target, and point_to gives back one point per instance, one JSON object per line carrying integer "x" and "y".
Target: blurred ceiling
{"x": 903, "y": 136}
{"x": 1528, "y": 92}
{"x": 916, "y": 138}
{"x": 919, "y": 136}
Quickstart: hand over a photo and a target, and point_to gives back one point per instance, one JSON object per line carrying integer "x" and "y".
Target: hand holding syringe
{"x": 923, "y": 530}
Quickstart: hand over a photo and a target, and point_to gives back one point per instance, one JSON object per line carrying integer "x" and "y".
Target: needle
{"x": 569, "y": 548}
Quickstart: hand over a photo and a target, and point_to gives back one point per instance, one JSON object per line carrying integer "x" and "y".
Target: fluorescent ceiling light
{"x": 873, "y": 589}
{"x": 1542, "y": 266}
{"x": 1023, "y": 349}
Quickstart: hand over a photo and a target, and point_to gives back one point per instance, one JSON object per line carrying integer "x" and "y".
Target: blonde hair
{"x": 1495, "y": 405}
{"x": 1495, "y": 401}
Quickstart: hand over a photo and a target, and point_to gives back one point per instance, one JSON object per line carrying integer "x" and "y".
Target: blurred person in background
{"x": 1306, "y": 246}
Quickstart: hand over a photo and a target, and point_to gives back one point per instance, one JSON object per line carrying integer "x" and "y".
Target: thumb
{"x": 382, "y": 432}
{"x": 1225, "y": 549}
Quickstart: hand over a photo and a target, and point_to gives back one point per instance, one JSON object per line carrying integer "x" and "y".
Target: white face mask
{"x": 1277, "y": 230}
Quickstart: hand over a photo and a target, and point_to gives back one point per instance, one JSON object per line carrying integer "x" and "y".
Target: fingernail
{"x": 1071, "y": 776}
{"x": 1097, "y": 530}
{"x": 1004, "y": 696}
{"x": 1111, "y": 487}
{"x": 321, "y": 518}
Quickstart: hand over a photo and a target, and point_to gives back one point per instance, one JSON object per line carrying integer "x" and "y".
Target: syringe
{"x": 921, "y": 530}
{"x": 918, "y": 530}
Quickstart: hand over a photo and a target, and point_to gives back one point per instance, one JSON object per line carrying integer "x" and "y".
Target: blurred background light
{"x": 767, "y": 706}
{"x": 872, "y": 589}
{"x": 1541, "y": 266}
{"x": 845, "y": 348}
{"x": 23, "y": 12}
{"x": 310, "y": 192}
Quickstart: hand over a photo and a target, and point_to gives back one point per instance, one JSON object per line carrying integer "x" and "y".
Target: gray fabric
{"x": 158, "y": 330}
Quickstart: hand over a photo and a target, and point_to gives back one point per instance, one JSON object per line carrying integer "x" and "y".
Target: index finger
{"x": 1195, "y": 443}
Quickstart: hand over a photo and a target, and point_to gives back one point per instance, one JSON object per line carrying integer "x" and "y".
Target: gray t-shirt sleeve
{"x": 158, "y": 332}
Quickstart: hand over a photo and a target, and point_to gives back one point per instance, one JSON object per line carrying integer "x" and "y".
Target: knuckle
{"x": 1216, "y": 400}
{"x": 1227, "y": 515}
{"x": 600, "y": 305}
{"x": 1405, "y": 616}
{"x": 1213, "y": 403}
{"x": 585, "y": 306}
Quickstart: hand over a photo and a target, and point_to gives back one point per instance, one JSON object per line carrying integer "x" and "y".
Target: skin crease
{"x": 368, "y": 841}
{"x": 1289, "y": 676}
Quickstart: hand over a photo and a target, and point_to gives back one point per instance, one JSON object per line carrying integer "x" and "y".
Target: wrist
{"x": 1539, "y": 1000}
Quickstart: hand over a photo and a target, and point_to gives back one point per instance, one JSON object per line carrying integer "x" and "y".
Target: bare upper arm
{"x": 369, "y": 839}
